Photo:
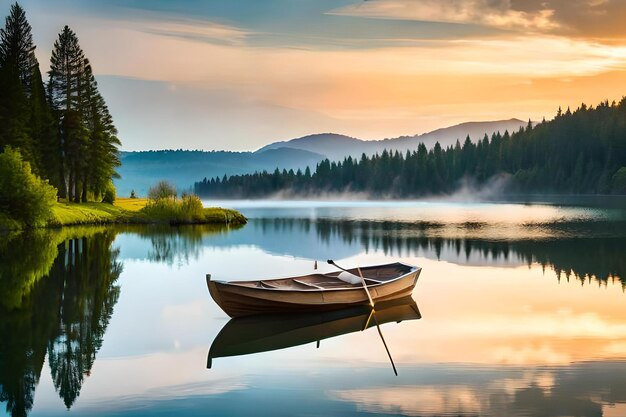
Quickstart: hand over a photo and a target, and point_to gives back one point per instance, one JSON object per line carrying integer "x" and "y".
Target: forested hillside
{"x": 577, "y": 152}
{"x": 337, "y": 147}
{"x": 181, "y": 167}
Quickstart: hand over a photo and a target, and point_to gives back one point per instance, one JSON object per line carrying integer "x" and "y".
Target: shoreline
{"x": 122, "y": 211}
{"x": 573, "y": 200}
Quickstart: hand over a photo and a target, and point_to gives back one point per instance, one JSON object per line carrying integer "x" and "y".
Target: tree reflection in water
{"x": 599, "y": 257}
{"x": 58, "y": 288}
{"x": 177, "y": 244}
{"x": 64, "y": 314}
{"x": 85, "y": 271}
{"x": 57, "y": 294}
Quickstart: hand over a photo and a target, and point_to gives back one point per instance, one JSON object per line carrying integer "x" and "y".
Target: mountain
{"x": 337, "y": 147}
{"x": 447, "y": 136}
{"x": 331, "y": 145}
{"x": 579, "y": 152}
{"x": 140, "y": 170}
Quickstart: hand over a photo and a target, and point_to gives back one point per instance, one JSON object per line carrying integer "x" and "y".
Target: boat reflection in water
{"x": 263, "y": 333}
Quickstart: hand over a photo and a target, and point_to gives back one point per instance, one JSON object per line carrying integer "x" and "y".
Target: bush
{"x": 109, "y": 194}
{"x": 162, "y": 190}
{"x": 191, "y": 205}
{"x": 24, "y": 197}
{"x": 186, "y": 210}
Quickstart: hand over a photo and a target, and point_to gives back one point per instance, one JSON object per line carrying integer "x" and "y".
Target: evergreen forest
{"x": 61, "y": 127}
{"x": 579, "y": 152}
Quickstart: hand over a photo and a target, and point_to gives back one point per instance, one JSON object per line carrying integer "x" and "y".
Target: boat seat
{"x": 266, "y": 285}
{"x": 308, "y": 284}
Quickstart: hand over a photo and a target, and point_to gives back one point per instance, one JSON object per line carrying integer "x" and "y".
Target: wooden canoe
{"x": 263, "y": 333}
{"x": 314, "y": 292}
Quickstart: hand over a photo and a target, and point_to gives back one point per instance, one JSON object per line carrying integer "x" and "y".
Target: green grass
{"x": 222, "y": 215}
{"x": 133, "y": 211}
{"x": 131, "y": 204}
{"x": 65, "y": 214}
{"x": 188, "y": 210}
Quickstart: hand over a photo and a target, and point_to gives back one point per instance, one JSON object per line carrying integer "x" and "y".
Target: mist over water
{"x": 487, "y": 220}
{"x": 468, "y": 190}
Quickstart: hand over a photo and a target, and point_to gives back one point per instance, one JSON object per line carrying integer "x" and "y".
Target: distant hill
{"x": 331, "y": 145}
{"x": 336, "y": 146}
{"x": 140, "y": 170}
{"x": 579, "y": 152}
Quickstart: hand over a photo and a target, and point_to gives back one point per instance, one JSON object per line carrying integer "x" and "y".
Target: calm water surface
{"x": 523, "y": 312}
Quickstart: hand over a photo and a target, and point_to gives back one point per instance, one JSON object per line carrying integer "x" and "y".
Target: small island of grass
{"x": 139, "y": 211}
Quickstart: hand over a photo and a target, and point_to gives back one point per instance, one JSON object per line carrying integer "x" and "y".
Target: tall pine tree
{"x": 17, "y": 51}
{"x": 17, "y": 61}
{"x": 64, "y": 85}
{"x": 102, "y": 156}
{"x": 87, "y": 137}
{"x": 65, "y": 130}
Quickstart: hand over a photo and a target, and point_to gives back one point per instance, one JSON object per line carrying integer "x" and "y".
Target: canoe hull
{"x": 239, "y": 301}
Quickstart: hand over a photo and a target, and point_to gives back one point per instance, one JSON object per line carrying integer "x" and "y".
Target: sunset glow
{"x": 372, "y": 69}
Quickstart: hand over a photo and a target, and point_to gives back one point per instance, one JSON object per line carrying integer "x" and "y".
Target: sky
{"x": 236, "y": 75}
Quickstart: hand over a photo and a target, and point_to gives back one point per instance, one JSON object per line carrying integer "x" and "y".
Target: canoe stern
{"x": 214, "y": 291}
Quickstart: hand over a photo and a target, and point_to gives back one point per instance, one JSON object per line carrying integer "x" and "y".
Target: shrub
{"x": 191, "y": 206}
{"x": 186, "y": 210}
{"x": 24, "y": 197}
{"x": 109, "y": 193}
{"x": 162, "y": 190}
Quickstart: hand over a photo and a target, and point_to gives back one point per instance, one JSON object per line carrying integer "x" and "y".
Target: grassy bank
{"x": 128, "y": 211}
{"x": 65, "y": 214}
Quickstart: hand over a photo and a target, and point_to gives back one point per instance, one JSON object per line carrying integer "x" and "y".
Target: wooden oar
{"x": 372, "y": 313}
{"x": 331, "y": 262}
{"x": 393, "y": 365}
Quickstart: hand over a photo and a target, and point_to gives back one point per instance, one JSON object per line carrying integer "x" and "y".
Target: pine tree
{"x": 17, "y": 61}
{"x": 43, "y": 132}
{"x": 87, "y": 136}
{"x": 65, "y": 76}
{"x": 17, "y": 52}
{"x": 67, "y": 67}
{"x": 580, "y": 152}
{"x": 66, "y": 132}
{"x": 101, "y": 158}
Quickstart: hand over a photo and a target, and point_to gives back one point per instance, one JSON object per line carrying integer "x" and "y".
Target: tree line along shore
{"x": 578, "y": 152}
{"x": 59, "y": 145}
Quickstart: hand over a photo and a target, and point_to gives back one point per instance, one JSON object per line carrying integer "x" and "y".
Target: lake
{"x": 523, "y": 313}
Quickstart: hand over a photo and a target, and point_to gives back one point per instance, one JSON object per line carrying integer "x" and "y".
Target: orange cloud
{"x": 411, "y": 86}
{"x": 601, "y": 20}
{"x": 483, "y": 12}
